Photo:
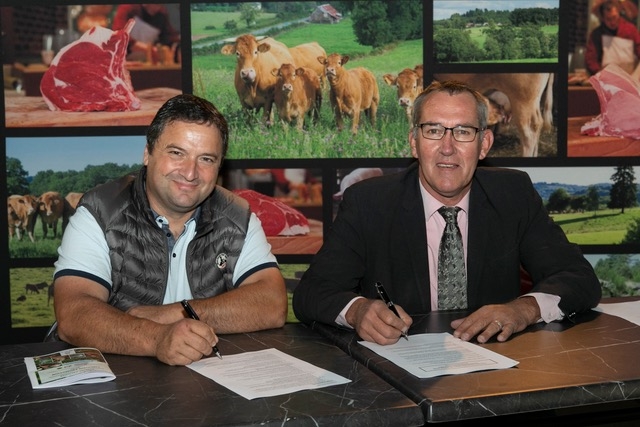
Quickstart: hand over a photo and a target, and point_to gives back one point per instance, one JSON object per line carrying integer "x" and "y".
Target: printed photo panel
{"x": 31, "y": 297}
{"x": 68, "y": 66}
{"x": 288, "y": 203}
{"x": 501, "y": 31}
{"x": 592, "y": 205}
{"x": 522, "y": 111}
{"x": 46, "y": 176}
{"x": 238, "y": 65}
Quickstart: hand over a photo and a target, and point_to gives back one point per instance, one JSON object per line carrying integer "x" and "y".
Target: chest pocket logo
{"x": 221, "y": 261}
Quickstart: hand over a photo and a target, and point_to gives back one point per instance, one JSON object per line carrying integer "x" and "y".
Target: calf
{"x": 351, "y": 91}
{"x": 297, "y": 93}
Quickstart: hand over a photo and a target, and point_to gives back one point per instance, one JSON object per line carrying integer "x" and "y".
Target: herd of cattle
{"x": 269, "y": 73}
{"x": 50, "y": 207}
{"x": 37, "y": 288}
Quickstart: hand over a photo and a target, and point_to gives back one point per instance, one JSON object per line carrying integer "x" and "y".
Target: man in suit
{"x": 388, "y": 229}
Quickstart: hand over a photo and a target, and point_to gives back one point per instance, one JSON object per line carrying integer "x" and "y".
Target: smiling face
{"x": 182, "y": 168}
{"x": 446, "y": 165}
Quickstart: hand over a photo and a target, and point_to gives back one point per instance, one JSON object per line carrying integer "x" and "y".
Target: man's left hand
{"x": 501, "y": 319}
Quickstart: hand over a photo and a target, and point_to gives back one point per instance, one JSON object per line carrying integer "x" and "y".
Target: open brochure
{"x": 435, "y": 354}
{"x": 68, "y": 367}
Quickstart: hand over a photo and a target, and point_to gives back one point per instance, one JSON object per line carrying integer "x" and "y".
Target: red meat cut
{"x": 619, "y": 96}
{"x": 90, "y": 75}
{"x": 277, "y": 218}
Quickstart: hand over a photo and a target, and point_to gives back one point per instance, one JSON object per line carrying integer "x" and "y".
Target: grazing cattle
{"x": 21, "y": 212}
{"x": 531, "y": 101}
{"x": 253, "y": 80}
{"x": 31, "y": 288}
{"x": 53, "y": 208}
{"x": 351, "y": 91}
{"x": 304, "y": 55}
{"x": 42, "y": 285}
{"x": 73, "y": 199}
{"x": 297, "y": 93}
{"x": 408, "y": 85}
{"x": 21, "y": 298}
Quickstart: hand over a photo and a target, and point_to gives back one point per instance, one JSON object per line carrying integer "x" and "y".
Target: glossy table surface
{"x": 561, "y": 365}
{"x": 147, "y": 392}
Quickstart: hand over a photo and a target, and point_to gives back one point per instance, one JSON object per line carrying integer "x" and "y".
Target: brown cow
{"x": 51, "y": 208}
{"x": 253, "y": 80}
{"x": 531, "y": 101}
{"x": 73, "y": 199}
{"x": 351, "y": 91}
{"x": 297, "y": 93}
{"x": 21, "y": 212}
{"x": 304, "y": 55}
{"x": 408, "y": 84}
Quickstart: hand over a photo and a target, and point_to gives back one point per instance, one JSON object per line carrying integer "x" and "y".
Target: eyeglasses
{"x": 436, "y": 131}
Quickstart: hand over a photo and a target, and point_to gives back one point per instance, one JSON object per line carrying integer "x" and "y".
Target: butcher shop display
{"x": 619, "y": 96}
{"x": 89, "y": 74}
{"x": 277, "y": 218}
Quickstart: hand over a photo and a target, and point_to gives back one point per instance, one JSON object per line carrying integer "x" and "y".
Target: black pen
{"x": 194, "y": 316}
{"x": 390, "y": 304}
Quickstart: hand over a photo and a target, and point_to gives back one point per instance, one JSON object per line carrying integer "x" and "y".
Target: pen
{"x": 387, "y": 300}
{"x": 194, "y": 316}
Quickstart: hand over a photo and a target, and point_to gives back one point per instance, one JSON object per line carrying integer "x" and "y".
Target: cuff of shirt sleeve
{"x": 342, "y": 316}
{"x": 549, "y": 306}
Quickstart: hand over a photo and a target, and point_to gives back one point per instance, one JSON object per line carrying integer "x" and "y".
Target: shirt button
{"x": 174, "y": 255}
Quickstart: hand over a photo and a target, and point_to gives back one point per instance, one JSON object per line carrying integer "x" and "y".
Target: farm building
{"x": 325, "y": 14}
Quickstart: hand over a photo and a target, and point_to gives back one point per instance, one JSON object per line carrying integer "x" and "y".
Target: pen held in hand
{"x": 383, "y": 294}
{"x": 192, "y": 314}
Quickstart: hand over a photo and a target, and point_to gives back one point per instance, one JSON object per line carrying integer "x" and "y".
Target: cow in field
{"x": 297, "y": 94}
{"x": 73, "y": 199}
{"x": 52, "y": 207}
{"x": 408, "y": 84}
{"x": 530, "y": 98}
{"x": 21, "y": 213}
{"x": 351, "y": 91}
{"x": 304, "y": 55}
{"x": 253, "y": 80}
{"x": 31, "y": 288}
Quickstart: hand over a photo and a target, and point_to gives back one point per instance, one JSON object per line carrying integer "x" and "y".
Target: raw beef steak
{"x": 90, "y": 75}
{"x": 277, "y": 218}
{"x": 619, "y": 96}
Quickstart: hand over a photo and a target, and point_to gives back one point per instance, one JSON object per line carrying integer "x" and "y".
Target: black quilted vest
{"x": 138, "y": 247}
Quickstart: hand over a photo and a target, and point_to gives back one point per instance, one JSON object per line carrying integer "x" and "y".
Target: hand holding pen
{"x": 383, "y": 294}
{"x": 192, "y": 314}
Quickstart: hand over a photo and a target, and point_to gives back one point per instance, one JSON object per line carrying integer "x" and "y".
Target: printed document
{"x": 627, "y": 310}
{"x": 265, "y": 373}
{"x": 432, "y": 355}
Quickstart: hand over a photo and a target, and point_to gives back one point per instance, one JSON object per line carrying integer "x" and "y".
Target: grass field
{"x": 213, "y": 79}
{"x": 35, "y": 310}
{"x": 607, "y": 227}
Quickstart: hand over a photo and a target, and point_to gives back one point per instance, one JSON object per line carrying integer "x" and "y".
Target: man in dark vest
{"x": 140, "y": 245}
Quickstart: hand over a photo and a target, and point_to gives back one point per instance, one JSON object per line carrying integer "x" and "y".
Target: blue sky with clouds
{"x": 74, "y": 153}
{"x": 444, "y": 9}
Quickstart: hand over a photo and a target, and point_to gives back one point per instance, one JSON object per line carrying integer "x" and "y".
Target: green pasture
{"x": 606, "y": 227}
{"x": 34, "y": 310}
{"x": 213, "y": 79}
{"x": 41, "y": 248}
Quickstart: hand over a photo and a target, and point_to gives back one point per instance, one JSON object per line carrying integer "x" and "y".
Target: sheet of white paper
{"x": 432, "y": 355}
{"x": 264, "y": 373}
{"x": 627, "y": 310}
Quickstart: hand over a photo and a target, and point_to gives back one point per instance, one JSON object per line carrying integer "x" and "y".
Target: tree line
{"x": 19, "y": 181}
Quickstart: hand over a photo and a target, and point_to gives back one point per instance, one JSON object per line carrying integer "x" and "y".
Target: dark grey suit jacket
{"x": 379, "y": 234}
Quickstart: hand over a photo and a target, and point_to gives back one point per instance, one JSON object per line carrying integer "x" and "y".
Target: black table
{"x": 147, "y": 392}
{"x": 568, "y": 374}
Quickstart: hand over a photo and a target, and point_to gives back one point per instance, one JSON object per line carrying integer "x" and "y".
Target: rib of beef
{"x": 277, "y": 218}
{"x": 619, "y": 96}
{"x": 90, "y": 75}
